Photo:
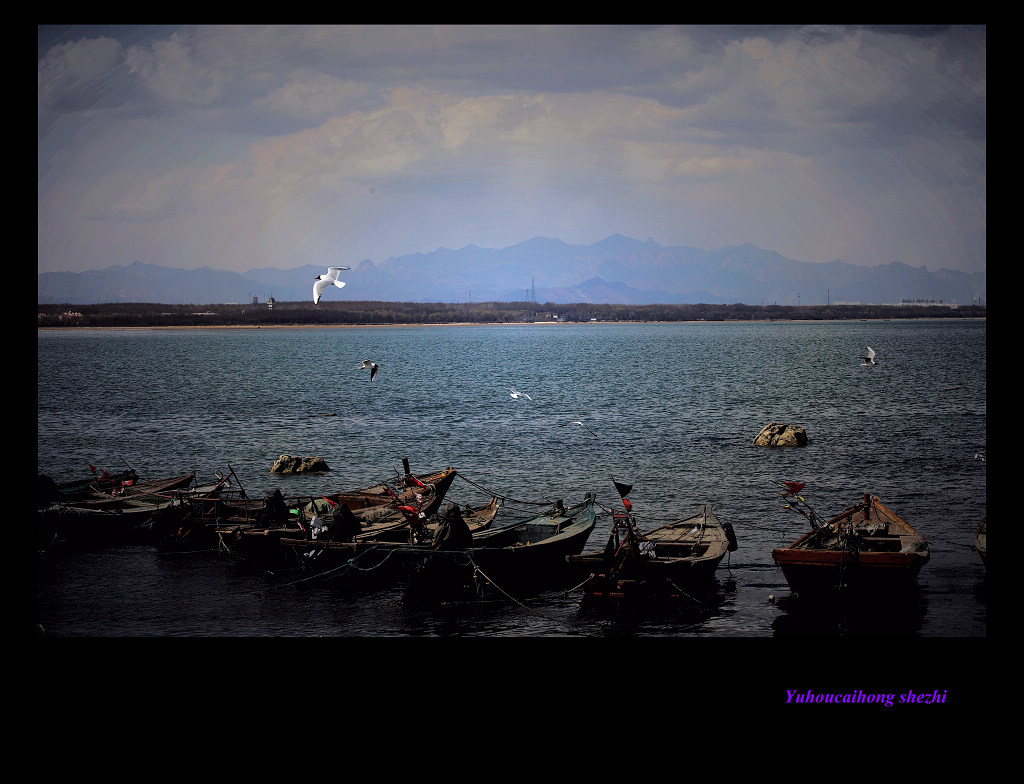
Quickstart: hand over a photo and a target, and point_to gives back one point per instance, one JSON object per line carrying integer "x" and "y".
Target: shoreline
{"x": 499, "y": 324}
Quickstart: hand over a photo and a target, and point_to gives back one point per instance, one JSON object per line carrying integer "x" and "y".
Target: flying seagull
{"x": 870, "y": 358}
{"x": 373, "y": 367}
{"x": 519, "y": 394}
{"x": 320, "y": 282}
{"x": 583, "y": 426}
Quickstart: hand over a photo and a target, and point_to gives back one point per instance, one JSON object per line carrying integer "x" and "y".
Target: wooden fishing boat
{"x": 478, "y": 518}
{"x": 383, "y": 512}
{"x": 513, "y": 560}
{"x": 379, "y": 512}
{"x": 666, "y": 563}
{"x": 201, "y": 516}
{"x": 365, "y": 559}
{"x": 981, "y": 543}
{"x": 150, "y": 488}
{"x": 432, "y": 486}
{"x": 182, "y": 501}
{"x": 866, "y": 547}
{"x": 251, "y": 530}
{"x": 122, "y": 514}
{"x": 100, "y": 480}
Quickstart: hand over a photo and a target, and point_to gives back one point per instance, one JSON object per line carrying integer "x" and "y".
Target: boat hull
{"x": 869, "y": 547}
{"x": 367, "y": 561}
{"x": 981, "y": 543}
{"x": 101, "y": 518}
{"x": 667, "y": 563}
{"x": 809, "y": 571}
{"x": 513, "y": 561}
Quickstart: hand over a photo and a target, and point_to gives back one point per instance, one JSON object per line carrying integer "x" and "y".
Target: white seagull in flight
{"x": 583, "y": 426}
{"x": 515, "y": 394}
{"x": 373, "y": 367}
{"x": 320, "y": 282}
{"x": 869, "y": 359}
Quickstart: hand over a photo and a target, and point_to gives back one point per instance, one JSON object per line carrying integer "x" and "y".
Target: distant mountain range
{"x": 617, "y": 270}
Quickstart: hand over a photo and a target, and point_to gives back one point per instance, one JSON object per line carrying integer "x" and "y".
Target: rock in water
{"x": 781, "y": 434}
{"x": 289, "y": 464}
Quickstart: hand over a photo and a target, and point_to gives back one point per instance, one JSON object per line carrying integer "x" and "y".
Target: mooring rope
{"x": 568, "y": 591}
{"x": 684, "y": 593}
{"x": 545, "y": 502}
{"x": 477, "y": 570}
{"x": 349, "y": 564}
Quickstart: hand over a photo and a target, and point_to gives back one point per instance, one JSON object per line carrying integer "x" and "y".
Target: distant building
{"x": 927, "y": 302}
{"x": 270, "y": 303}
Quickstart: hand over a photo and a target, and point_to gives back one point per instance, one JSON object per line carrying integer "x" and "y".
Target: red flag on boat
{"x": 410, "y": 513}
{"x": 624, "y": 490}
{"x": 415, "y": 481}
{"x": 328, "y": 500}
{"x": 92, "y": 468}
{"x": 794, "y": 487}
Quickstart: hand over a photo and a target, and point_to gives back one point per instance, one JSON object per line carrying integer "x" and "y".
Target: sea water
{"x": 673, "y": 409}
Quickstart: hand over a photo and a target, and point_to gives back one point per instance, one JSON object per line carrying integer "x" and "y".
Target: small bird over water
{"x": 583, "y": 426}
{"x": 869, "y": 359}
{"x": 320, "y": 282}
{"x": 515, "y": 394}
{"x": 373, "y": 367}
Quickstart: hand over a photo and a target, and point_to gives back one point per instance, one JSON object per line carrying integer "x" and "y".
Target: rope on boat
{"x": 349, "y": 564}
{"x": 478, "y": 571}
{"x": 568, "y": 591}
{"x": 545, "y": 502}
{"x": 684, "y": 593}
{"x": 352, "y": 561}
{"x": 221, "y": 544}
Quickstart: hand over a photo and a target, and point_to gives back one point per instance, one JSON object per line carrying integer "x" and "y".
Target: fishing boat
{"x": 104, "y": 516}
{"x": 135, "y": 491}
{"x": 404, "y": 487}
{"x": 665, "y": 563}
{"x": 206, "y": 513}
{"x": 383, "y": 512}
{"x": 981, "y": 543}
{"x": 367, "y": 560}
{"x": 100, "y": 480}
{"x": 380, "y": 512}
{"x": 865, "y": 547}
{"x": 513, "y": 560}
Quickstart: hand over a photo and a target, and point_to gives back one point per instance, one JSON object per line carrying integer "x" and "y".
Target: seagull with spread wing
{"x": 581, "y": 425}
{"x": 373, "y": 367}
{"x": 320, "y": 282}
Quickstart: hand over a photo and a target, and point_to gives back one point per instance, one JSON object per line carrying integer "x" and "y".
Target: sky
{"x": 242, "y": 147}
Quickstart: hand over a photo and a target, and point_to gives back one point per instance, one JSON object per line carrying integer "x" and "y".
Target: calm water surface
{"x": 674, "y": 406}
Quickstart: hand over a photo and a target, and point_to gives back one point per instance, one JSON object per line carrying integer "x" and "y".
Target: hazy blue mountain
{"x": 617, "y": 270}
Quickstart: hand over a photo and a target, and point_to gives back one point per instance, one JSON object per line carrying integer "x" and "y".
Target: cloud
{"x": 241, "y": 146}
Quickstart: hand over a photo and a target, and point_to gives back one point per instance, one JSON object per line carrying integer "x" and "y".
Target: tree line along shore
{"x": 292, "y": 314}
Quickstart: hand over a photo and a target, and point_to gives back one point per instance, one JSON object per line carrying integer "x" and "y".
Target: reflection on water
{"x": 896, "y": 614}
